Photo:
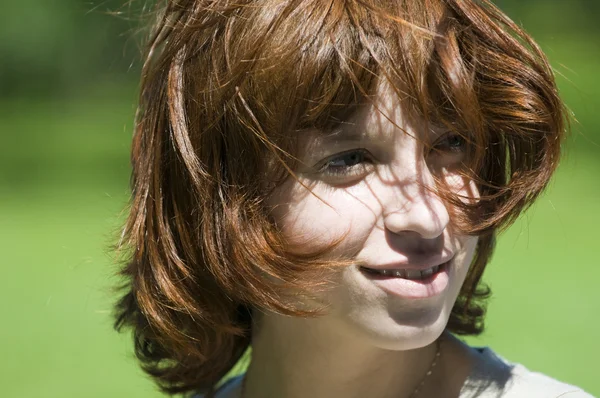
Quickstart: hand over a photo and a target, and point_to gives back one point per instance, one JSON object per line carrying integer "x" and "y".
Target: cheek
{"x": 313, "y": 222}
{"x": 461, "y": 185}
{"x": 468, "y": 245}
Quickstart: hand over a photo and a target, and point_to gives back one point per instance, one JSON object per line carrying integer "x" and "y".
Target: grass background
{"x": 63, "y": 188}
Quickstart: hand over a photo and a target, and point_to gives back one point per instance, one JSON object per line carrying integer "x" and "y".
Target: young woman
{"x": 323, "y": 181}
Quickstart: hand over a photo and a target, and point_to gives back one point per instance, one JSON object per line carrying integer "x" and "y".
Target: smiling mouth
{"x": 412, "y": 274}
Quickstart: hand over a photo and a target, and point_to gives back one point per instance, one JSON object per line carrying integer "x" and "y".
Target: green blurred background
{"x": 68, "y": 76}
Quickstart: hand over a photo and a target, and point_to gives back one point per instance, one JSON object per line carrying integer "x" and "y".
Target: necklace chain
{"x": 438, "y": 353}
{"x": 417, "y": 390}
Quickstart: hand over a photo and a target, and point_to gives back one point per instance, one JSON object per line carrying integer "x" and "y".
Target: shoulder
{"x": 492, "y": 376}
{"x": 534, "y": 384}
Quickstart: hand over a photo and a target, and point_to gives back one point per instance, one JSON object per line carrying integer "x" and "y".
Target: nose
{"x": 414, "y": 206}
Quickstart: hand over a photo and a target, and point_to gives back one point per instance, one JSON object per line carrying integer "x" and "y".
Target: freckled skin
{"x": 382, "y": 204}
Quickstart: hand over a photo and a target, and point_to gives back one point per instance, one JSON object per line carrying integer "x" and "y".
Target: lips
{"x": 404, "y": 273}
{"x": 410, "y": 283}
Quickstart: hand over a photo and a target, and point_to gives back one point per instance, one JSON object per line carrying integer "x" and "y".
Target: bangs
{"x": 312, "y": 63}
{"x": 283, "y": 67}
{"x": 295, "y": 65}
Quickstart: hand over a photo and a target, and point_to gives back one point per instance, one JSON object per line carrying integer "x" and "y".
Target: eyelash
{"x": 445, "y": 145}
{"x": 356, "y": 168}
{"x": 449, "y": 143}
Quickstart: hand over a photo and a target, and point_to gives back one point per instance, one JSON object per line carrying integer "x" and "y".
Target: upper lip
{"x": 420, "y": 265}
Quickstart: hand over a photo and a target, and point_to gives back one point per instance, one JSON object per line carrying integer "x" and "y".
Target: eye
{"x": 450, "y": 151}
{"x": 347, "y": 164}
{"x": 451, "y": 143}
{"x": 347, "y": 159}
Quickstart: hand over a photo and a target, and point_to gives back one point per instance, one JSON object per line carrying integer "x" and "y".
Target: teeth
{"x": 413, "y": 274}
{"x": 399, "y": 273}
{"x": 409, "y": 273}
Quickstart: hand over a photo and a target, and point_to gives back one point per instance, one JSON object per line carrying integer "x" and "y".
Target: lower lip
{"x": 431, "y": 286}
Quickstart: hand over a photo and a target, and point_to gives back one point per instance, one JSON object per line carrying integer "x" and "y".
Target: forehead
{"x": 379, "y": 118}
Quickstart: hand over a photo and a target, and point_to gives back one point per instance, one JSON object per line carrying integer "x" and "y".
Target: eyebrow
{"x": 342, "y": 134}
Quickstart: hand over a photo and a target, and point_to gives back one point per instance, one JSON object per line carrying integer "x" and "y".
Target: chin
{"x": 395, "y": 329}
{"x": 409, "y": 341}
{"x": 368, "y": 316}
{"x": 409, "y": 336}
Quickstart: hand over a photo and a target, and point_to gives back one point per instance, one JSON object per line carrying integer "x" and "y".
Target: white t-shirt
{"x": 491, "y": 377}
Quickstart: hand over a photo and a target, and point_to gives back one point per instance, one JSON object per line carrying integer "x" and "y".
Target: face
{"x": 370, "y": 186}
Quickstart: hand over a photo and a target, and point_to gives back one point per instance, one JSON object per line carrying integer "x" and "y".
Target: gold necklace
{"x": 415, "y": 393}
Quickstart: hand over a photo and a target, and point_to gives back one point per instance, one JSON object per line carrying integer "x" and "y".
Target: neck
{"x": 298, "y": 358}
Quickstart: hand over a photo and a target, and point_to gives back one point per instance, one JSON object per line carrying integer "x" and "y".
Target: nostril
{"x": 427, "y": 218}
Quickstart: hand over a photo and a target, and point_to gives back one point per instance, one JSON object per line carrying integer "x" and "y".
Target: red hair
{"x": 223, "y": 86}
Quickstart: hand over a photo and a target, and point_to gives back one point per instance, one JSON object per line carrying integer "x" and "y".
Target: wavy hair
{"x": 225, "y": 84}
